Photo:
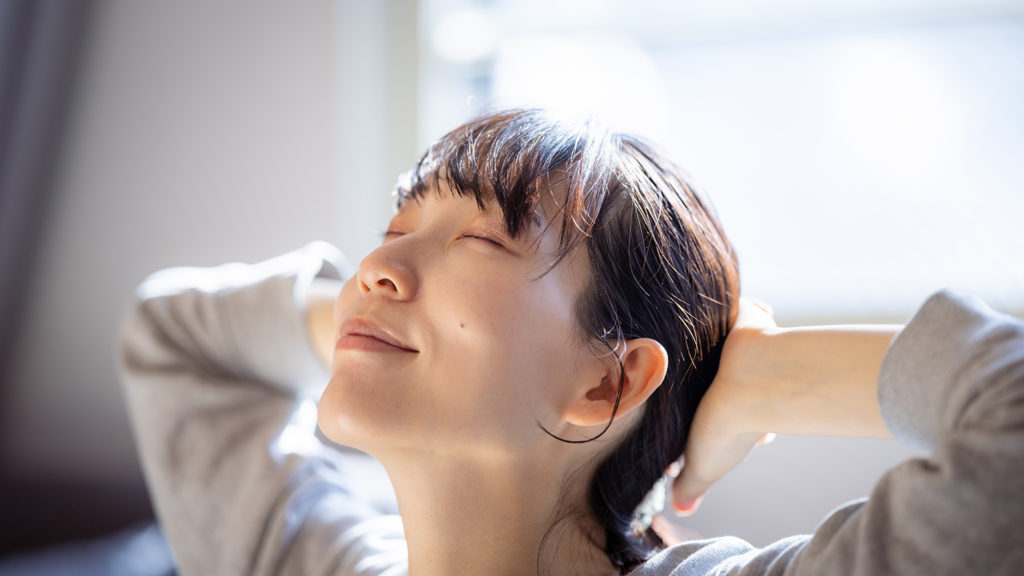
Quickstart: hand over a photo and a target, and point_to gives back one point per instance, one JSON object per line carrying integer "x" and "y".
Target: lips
{"x": 361, "y": 333}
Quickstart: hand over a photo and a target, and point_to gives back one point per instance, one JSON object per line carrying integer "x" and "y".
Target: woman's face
{"x": 453, "y": 337}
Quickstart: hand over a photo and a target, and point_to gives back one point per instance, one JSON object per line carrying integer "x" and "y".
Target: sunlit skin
{"x": 457, "y": 422}
{"x": 490, "y": 352}
{"x": 482, "y": 349}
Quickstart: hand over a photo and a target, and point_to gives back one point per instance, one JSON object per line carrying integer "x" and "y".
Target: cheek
{"x": 515, "y": 356}
{"x": 349, "y": 293}
{"x": 500, "y": 359}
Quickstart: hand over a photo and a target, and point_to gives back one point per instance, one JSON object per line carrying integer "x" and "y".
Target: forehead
{"x": 541, "y": 236}
{"x": 532, "y": 215}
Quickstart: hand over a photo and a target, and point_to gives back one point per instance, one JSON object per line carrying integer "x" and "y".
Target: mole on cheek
{"x": 462, "y": 324}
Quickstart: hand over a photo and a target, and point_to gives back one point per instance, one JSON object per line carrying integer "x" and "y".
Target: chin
{"x": 360, "y": 419}
{"x": 334, "y": 421}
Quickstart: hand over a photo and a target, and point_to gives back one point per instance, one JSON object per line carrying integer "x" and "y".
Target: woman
{"x": 527, "y": 352}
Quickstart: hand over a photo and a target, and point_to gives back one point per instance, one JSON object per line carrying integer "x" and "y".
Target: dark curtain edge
{"x": 40, "y": 59}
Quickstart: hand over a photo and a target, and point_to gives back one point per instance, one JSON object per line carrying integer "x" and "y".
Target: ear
{"x": 644, "y": 364}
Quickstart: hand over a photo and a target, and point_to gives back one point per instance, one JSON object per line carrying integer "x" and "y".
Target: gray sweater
{"x": 221, "y": 383}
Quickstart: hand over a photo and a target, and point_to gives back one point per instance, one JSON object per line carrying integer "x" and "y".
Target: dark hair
{"x": 662, "y": 269}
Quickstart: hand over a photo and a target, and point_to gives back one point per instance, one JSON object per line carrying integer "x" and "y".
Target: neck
{"x": 463, "y": 517}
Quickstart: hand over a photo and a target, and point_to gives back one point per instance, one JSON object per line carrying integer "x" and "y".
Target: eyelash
{"x": 485, "y": 239}
{"x": 387, "y": 233}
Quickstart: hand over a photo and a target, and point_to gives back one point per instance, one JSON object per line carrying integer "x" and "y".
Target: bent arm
{"x": 952, "y": 383}
{"x": 806, "y": 381}
{"x": 220, "y": 379}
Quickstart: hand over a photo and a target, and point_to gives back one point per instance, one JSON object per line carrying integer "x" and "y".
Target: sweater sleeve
{"x": 952, "y": 383}
{"x": 221, "y": 382}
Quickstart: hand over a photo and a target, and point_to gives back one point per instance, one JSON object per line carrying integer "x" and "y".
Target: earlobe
{"x": 644, "y": 364}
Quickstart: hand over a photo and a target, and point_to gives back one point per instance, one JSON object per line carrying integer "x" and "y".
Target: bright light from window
{"x": 610, "y": 76}
{"x": 892, "y": 88}
{"x": 861, "y": 154}
{"x": 465, "y": 36}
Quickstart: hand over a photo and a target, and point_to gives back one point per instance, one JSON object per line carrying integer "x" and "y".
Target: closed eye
{"x": 390, "y": 234}
{"x": 484, "y": 238}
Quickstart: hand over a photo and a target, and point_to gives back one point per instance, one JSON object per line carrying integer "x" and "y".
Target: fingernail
{"x": 686, "y": 507}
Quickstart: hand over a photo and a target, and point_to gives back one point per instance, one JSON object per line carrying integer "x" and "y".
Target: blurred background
{"x": 861, "y": 153}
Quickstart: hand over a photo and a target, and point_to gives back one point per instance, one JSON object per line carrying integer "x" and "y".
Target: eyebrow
{"x": 534, "y": 217}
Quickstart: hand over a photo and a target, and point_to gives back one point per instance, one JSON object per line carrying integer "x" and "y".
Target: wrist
{"x": 816, "y": 381}
{"x": 775, "y": 381}
{"x": 748, "y": 382}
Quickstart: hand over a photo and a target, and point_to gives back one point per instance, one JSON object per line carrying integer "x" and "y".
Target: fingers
{"x": 688, "y": 507}
{"x": 687, "y": 495}
{"x": 687, "y": 490}
{"x": 691, "y": 484}
{"x": 717, "y": 441}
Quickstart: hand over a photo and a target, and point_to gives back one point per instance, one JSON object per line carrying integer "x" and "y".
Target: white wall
{"x": 376, "y": 74}
{"x": 202, "y": 132}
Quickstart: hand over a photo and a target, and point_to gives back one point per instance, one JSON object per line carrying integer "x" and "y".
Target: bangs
{"x": 514, "y": 158}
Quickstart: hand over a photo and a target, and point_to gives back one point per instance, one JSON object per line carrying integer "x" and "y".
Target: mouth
{"x": 362, "y": 334}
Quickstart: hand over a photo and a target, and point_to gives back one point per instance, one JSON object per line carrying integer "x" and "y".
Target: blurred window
{"x": 860, "y": 153}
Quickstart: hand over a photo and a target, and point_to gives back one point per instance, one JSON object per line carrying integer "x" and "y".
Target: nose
{"x": 385, "y": 272}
